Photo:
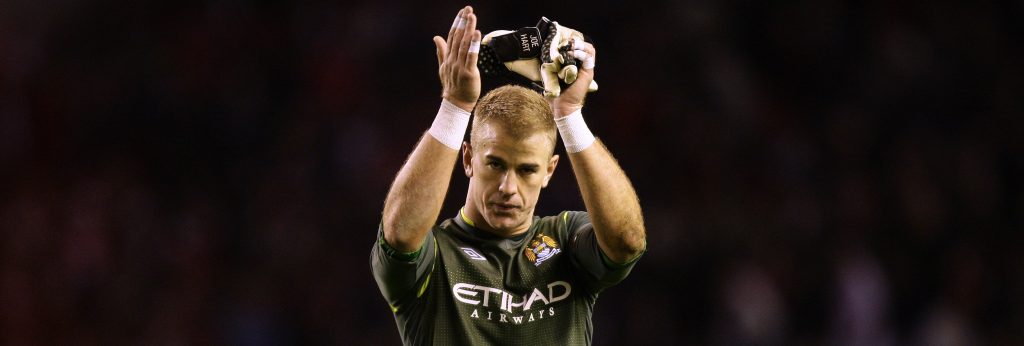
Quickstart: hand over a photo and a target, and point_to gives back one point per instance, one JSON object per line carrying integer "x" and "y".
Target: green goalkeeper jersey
{"x": 466, "y": 286}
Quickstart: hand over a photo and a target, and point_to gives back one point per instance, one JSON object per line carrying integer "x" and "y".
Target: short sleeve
{"x": 402, "y": 277}
{"x": 600, "y": 272}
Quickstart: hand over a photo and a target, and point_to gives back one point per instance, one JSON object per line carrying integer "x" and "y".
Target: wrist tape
{"x": 575, "y": 134}
{"x": 449, "y": 126}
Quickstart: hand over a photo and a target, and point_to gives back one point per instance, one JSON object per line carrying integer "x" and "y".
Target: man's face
{"x": 505, "y": 178}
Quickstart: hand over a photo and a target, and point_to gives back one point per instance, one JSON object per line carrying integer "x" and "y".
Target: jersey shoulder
{"x": 563, "y": 225}
{"x": 567, "y": 221}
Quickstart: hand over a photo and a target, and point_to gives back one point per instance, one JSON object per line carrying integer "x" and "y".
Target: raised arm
{"x": 607, "y": 192}
{"x": 416, "y": 196}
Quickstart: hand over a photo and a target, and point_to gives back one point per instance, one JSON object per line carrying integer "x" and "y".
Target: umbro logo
{"x": 473, "y": 254}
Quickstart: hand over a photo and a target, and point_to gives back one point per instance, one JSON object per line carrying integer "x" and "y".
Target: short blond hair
{"x": 520, "y": 111}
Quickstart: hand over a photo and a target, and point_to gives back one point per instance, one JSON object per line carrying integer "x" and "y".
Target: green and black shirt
{"x": 466, "y": 286}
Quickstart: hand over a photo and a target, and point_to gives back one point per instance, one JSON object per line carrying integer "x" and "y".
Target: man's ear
{"x": 552, "y": 164}
{"x": 467, "y": 159}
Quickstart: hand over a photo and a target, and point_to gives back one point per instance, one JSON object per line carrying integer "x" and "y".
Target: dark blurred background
{"x": 812, "y": 172}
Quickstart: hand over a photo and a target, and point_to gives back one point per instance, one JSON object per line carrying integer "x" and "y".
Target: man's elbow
{"x": 401, "y": 241}
{"x": 630, "y": 246}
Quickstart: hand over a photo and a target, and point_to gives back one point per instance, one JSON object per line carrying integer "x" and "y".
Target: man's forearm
{"x": 611, "y": 202}
{"x": 416, "y": 196}
{"x": 415, "y": 199}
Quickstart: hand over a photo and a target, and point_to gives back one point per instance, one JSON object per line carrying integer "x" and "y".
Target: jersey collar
{"x": 467, "y": 224}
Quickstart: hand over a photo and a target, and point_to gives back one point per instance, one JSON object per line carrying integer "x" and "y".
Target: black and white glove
{"x": 545, "y": 57}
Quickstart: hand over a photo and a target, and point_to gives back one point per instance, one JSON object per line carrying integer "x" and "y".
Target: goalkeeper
{"x": 495, "y": 273}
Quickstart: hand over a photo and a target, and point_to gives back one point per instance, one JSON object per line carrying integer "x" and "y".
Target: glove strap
{"x": 524, "y": 43}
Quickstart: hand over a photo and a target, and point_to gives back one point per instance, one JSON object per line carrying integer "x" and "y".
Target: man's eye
{"x": 527, "y": 171}
{"x": 494, "y": 165}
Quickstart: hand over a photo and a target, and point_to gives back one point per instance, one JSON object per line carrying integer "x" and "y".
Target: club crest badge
{"x": 541, "y": 248}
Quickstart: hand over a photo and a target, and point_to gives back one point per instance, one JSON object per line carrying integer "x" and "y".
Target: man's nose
{"x": 509, "y": 186}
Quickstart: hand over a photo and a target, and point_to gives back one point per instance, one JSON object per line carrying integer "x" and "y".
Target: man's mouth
{"x": 505, "y": 207}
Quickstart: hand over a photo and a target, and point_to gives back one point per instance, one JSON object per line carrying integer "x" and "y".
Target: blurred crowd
{"x": 812, "y": 172}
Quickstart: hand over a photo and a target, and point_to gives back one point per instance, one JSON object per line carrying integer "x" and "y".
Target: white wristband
{"x": 575, "y": 133}
{"x": 449, "y": 126}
